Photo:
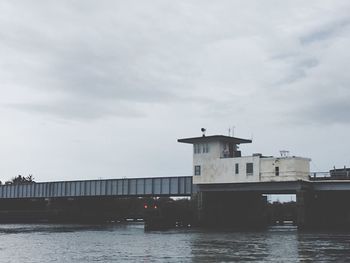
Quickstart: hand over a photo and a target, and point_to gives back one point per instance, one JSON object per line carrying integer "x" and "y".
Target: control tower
{"x": 218, "y": 159}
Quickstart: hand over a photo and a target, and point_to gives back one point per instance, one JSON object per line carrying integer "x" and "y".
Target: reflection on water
{"x": 324, "y": 247}
{"x": 130, "y": 243}
{"x": 274, "y": 245}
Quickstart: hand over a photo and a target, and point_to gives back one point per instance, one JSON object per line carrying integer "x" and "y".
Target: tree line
{"x": 19, "y": 179}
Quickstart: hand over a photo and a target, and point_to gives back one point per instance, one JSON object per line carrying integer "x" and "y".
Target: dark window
{"x": 249, "y": 169}
{"x": 277, "y": 171}
{"x": 236, "y": 168}
{"x": 197, "y": 148}
{"x": 197, "y": 170}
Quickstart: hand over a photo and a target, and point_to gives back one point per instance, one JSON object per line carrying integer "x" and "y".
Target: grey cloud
{"x": 97, "y": 72}
{"x": 75, "y": 110}
{"x": 131, "y": 72}
{"x": 325, "y": 32}
{"x": 95, "y": 65}
{"x": 299, "y": 66}
{"x": 107, "y": 62}
{"x": 110, "y": 80}
{"x": 324, "y": 112}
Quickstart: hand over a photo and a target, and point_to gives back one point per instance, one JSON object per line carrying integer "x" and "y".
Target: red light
{"x": 145, "y": 206}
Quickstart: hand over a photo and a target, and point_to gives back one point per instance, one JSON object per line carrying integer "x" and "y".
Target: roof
{"x": 221, "y": 138}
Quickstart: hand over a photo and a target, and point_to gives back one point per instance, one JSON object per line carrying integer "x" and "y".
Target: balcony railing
{"x": 228, "y": 154}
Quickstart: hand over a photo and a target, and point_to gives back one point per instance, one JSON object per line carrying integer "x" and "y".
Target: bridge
{"x": 225, "y": 188}
{"x": 317, "y": 184}
{"x": 163, "y": 187}
{"x": 104, "y": 199}
{"x": 133, "y": 187}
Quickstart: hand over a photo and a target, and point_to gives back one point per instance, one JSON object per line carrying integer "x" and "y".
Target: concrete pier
{"x": 323, "y": 210}
{"x": 231, "y": 209}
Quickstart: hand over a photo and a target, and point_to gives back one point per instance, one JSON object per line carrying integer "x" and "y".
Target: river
{"x": 130, "y": 243}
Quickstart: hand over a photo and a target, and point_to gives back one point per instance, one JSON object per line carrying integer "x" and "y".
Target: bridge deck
{"x": 161, "y": 186}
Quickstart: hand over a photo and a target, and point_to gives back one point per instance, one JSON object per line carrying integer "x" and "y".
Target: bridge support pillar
{"x": 231, "y": 209}
{"x": 305, "y": 208}
{"x": 325, "y": 210}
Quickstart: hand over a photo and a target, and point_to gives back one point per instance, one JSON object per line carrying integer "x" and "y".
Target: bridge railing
{"x": 331, "y": 175}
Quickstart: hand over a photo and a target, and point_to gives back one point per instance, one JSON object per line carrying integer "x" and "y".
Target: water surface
{"x": 130, "y": 243}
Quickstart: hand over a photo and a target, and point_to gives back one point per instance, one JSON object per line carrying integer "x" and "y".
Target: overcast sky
{"x": 103, "y": 89}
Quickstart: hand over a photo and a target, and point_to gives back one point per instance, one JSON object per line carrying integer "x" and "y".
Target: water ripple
{"x": 130, "y": 243}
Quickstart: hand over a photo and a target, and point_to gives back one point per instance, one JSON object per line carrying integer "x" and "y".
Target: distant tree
{"x": 30, "y": 178}
{"x": 19, "y": 179}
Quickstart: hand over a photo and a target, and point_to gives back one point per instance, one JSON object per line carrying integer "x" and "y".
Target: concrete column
{"x": 231, "y": 209}
{"x": 303, "y": 198}
{"x": 197, "y": 207}
{"x": 325, "y": 210}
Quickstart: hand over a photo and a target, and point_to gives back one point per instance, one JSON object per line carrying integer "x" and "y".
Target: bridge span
{"x": 158, "y": 187}
{"x": 284, "y": 187}
{"x": 318, "y": 202}
{"x": 133, "y": 187}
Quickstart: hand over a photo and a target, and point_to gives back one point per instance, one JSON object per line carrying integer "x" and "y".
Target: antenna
{"x": 229, "y": 132}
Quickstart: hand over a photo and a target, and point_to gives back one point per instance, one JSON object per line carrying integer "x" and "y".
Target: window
{"x": 249, "y": 168}
{"x": 236, "y": 168}
{"x": 201, "y": 148}
{"x": 197, "y": 170}
{"x": 196, "y": 148}
{"x": 205, "y": 148}
{"x": 277, "y": 171}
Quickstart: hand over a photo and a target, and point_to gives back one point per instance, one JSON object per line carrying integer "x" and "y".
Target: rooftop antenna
{"x": 229, "y": 132}
{"x": 203, "y": 130}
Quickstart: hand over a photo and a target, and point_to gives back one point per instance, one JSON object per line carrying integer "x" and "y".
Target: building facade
{"x": 217, "y": 159}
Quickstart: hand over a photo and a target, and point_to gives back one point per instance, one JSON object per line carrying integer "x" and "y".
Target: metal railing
{"x": 331, "y": 175}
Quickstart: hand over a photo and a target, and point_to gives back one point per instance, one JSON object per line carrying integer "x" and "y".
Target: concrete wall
{"x": 222, "y": 170}
{"x": 290, "y": 169}
{"x": 215, "y": 169}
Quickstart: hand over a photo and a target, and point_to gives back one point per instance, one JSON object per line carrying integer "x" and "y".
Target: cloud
{"x": 126, "y": 77}
{"x": 326, "y": 31}
{"x": 76, "y": 110}
{"x": 85, "y": 61}
{"x": 325, "y": 111}
{"x": 94, "y": 63}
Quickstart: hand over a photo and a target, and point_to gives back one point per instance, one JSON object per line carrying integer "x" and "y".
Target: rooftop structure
{"x": 221, "y": 138}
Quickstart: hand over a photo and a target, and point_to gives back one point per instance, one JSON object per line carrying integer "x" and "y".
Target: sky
{"x": 103, "y": 89}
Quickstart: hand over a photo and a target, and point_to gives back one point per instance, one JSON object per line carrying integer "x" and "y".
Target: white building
{"x": 217, "y": 159}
